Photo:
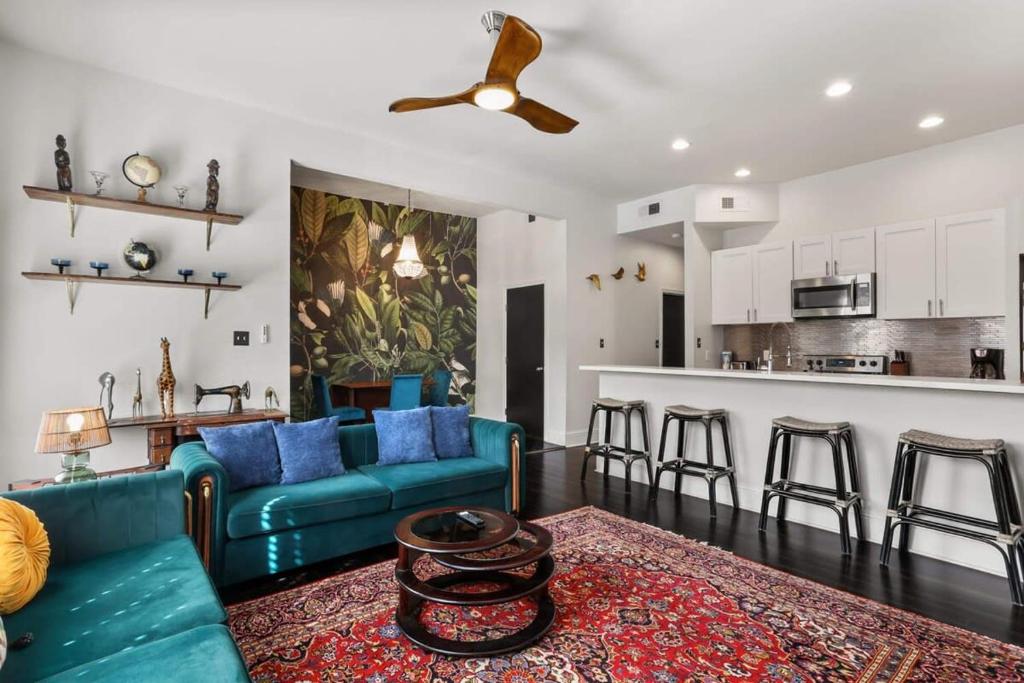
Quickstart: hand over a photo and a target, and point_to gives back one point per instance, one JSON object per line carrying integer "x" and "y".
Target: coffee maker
{"x": 987, "y": 364}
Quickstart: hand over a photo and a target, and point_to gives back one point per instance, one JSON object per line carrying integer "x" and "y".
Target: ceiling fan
{"x": 516, "y": 44}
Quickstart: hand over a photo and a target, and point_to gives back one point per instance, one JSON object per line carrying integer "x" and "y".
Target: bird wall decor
{"x": 619, "y": 273}
{"x": 641, "y": 272}
{"x": 595, "y": 280}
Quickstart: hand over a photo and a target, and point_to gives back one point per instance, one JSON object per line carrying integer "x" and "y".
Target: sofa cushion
{"x": 207, "y": 653}
{"x": 404, "y": 436}
{"x": 248, "y": 453}
{"x": 422, "y": 482}
{"x": 103, "y": 605}
{"x": 451, "y": 432}
{"x": 309, "y": 450}
{"x": 287, "y": 506}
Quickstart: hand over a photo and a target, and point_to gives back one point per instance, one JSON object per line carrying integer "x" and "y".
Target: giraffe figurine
{"x": 137, "y": 396}
{"x": 165, "y": 382}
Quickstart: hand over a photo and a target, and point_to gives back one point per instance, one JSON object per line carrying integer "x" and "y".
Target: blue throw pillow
{"x": 451, "y": 432}
{"x": 309, "y": 450}
{"x": 404, "y": 436}
{"x": 248, "y": 453}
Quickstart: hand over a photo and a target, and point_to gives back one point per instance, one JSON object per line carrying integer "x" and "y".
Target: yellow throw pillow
{"x": 24, "y": 555}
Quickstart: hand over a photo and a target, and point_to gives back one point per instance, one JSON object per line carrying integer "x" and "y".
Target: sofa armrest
{"x": 206, "y": 481}
{"x": 87, "y": 519}
{"x": 502, "y": 443}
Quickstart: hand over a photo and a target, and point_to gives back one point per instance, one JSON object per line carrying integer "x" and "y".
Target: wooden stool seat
{"x": 916, "y": 437}
{"x": 616, "y": 404}
{"x": 795, "y": 424}
{"x": 691, "y": 412}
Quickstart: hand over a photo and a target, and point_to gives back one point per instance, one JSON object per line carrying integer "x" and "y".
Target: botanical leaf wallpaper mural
{"x": 352, "y": 318}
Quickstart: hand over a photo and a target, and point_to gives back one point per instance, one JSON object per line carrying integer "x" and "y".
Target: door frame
{"x": 504, "y": 348}
{"x": 661, "y": 322}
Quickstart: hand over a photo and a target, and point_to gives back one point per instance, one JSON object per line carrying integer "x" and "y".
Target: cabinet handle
{"x": 835, "y": 267}
{"x": 942, "y": 309}
{"x": 929, "y": 308}
{"x": 826, "y": 268}
{"x": 755, "y": 315}
{"x": 748, "y": 315}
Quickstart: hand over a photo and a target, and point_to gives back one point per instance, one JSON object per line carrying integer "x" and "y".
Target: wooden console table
{"x": 165, "y": 434}
{"x": 24, "y": 484}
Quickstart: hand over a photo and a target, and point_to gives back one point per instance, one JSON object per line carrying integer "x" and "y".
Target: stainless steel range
{"x": 870, "y": 365}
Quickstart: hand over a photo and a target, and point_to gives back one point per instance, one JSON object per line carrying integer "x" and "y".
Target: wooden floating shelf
{"x": 72, "y": 199}
{"x": 72, "y": 279}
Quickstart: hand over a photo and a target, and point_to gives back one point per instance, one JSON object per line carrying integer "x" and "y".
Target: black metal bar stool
{"x": 840, "y": 499}
{"x": 625, "y": 454}
{"x": 708, "y": 470}
{"x": 1004, "y": 534}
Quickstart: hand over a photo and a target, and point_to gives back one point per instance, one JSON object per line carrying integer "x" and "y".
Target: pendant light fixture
{"x": 408, "y": 264}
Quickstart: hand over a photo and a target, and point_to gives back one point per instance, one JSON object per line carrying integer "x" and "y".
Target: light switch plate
{"x": 241, "y": 337}
{"x": 264, "y": 333}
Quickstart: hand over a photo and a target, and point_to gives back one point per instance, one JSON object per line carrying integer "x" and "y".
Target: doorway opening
{"x": 673, "y": 344}
{"x": 524, "y": 361}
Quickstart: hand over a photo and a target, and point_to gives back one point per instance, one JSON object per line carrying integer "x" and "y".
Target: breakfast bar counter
{"x": 879, "y": 408}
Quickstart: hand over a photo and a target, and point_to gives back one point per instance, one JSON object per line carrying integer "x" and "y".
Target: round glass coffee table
{"x": 451, "y": 542}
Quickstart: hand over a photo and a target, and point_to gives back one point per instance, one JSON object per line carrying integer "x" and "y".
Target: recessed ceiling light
{"x": 931, "y": 121}
{"x": 676, "y": 235}
{"x": 838, "y": 89}
{"x": 680, "y": 144}
{"x": 742, "y": 172}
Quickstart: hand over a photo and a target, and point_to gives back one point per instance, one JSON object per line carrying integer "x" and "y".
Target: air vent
{"x": 728, "y": 203}
{"x": 530, "y": 218}
{"x": 654, "y": 209}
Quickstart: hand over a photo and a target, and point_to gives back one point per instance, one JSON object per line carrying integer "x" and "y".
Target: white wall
{"x": 49, "y": 359}
{"x": 512, "y": 252}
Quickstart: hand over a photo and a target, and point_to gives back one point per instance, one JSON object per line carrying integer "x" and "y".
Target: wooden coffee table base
{"x": 414, "y": 592}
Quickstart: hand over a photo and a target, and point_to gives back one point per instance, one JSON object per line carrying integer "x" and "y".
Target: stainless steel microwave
{"x": 839, "y": 296}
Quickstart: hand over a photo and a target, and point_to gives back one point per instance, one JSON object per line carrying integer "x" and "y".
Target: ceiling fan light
{"x": 494, "y": 98}
{"x": 408, "y": 264}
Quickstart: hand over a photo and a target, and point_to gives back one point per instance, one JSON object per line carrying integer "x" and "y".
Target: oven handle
{"x": 853, "y": 294}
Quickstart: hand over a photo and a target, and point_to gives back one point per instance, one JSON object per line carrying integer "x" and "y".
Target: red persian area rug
{"x": 635, "y": 603}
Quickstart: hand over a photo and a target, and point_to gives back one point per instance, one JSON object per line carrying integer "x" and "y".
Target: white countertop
{"x": 913, "y": 382}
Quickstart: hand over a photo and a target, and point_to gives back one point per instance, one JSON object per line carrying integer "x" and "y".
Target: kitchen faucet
{"x": 771, "y": 346}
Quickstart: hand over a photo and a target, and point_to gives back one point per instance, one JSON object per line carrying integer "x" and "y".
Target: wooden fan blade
{"x": 518, "y": 45}
{"x": 416, "y": 103}
{"x": 542, "y": 117}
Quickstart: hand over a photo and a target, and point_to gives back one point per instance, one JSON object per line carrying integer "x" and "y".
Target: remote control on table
{"x": 470, "y": 519}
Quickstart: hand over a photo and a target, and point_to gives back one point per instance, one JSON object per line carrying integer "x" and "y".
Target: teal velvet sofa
{"x": 126, "y": 596}
{"x": 269, "y": 529}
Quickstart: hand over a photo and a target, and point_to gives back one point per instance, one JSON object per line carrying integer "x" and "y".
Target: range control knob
{"x": 862, "y": 363}
{"x": 874, "y": 363}
{"x": 818, "y": 361}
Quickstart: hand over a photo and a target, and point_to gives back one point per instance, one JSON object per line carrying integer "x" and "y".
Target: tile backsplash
{"x": 936, "y": 347}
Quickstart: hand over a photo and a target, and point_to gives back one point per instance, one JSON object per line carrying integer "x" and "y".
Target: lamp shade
{"x": 408, "y": 263}
{"x": 72, "y": 430}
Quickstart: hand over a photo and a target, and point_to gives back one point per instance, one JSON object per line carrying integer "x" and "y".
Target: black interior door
{"x": 524, "y": 359}
{"x": 673, "y": 346}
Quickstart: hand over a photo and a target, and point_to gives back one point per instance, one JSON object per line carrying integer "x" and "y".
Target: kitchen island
{"x": 879, "y": 407}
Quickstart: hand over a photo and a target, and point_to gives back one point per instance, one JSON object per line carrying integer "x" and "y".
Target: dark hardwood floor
{"x": 949, "y": 593}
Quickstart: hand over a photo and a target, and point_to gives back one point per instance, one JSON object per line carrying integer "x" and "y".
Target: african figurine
{"x": 106, "y": 381}
{"x": 212, "y": 186}
{"x": 270, "y": 399}
{"x": 63, "y": 161}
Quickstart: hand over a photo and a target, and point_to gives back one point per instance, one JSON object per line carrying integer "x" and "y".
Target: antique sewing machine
{"x": 233, "y": 390}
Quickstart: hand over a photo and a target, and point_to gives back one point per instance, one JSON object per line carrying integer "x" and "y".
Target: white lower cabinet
{"x": 752, "y": 284}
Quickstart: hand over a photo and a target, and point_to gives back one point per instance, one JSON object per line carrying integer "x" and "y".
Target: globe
{"x": 139, "y": 256}
{"x": 141, "y": 170}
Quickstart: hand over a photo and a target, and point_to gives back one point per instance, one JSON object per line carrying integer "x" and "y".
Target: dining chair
{"x": 406, "y": 392}
{"x": 438, "y": 392}
{"x": 322, "y": 396}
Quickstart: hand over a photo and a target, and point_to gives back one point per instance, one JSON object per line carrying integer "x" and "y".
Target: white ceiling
{"x": 742, "y": 80}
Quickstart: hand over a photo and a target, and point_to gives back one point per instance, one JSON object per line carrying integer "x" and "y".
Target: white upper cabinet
{"x": 841, "y": 253}
{"x": 751, "y": 284}
{"x": 906, "y": 270}
{"x": 969, "y": 264}
{"x": 731, "y": 286}
{"x": 853, "y": 252}
{"x": 773, "y": 276}
{"x": 812, "y": 257}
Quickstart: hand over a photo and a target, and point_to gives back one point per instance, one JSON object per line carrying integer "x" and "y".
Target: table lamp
{"x": 72, "y": 432}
